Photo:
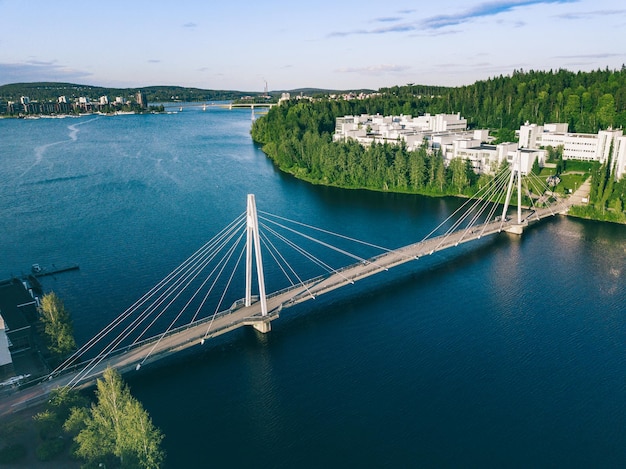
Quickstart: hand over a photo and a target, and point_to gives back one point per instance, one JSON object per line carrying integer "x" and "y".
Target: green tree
{"x": 458, "y": 174}
{"x": 606, "y": 111}
{"x": 117, "y": 426}
{"x": 50, "y": 421}
{"x": 536, "y": 169}
{"x": 57, "y": 326}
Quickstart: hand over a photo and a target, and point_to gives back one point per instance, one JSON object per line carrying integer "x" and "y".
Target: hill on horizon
{"x": 50, "y": 91}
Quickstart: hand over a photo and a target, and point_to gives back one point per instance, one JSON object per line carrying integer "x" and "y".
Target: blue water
{"x": 506, "y": 353}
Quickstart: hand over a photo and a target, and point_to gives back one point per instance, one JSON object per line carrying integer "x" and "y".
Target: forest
{"x": 50, "y": 91}
{"x": 297, "y": 135}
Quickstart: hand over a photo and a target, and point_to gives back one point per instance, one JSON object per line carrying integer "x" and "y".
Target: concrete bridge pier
{"x": 263, "y": 327}
{"x": 261, "y": 323}
{"x": 516, "y": 229}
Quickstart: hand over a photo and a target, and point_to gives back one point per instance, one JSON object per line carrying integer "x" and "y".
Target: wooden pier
{"x": 44, "y": 271}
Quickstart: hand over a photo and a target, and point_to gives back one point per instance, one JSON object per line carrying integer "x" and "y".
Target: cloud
{"x": 396, "y": 28}
{"x": 601, "y": 55}
{"x": 374, "y": 69}
{"x": 483, "y": 10}
{"x": 191, "y": 24}
{"x": 434, "y": 23}
{"x": 388, "y": 19}
{"x": 581, "y": 15}
{"x": 154, "y": 61}
{"x": 37, "y": 70}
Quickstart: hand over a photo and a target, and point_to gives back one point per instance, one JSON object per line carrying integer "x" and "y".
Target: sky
{"x": 329, "y": 44}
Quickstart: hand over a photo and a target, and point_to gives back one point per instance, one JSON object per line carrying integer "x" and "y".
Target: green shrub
{"x": 50, "y": 449}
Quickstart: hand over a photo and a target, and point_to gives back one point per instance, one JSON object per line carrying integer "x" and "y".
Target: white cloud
{"x": 375, "y": 69}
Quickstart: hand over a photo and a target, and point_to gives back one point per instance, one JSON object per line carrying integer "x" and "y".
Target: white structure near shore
{"x": 446, "y": 133}
{"x": 578, "y": 146}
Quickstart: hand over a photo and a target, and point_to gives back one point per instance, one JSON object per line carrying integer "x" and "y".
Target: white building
{"x": 576, "y": 146}
{"x": 6, "y": 361}
{"x": 104, "y": 100}
{"x": 367, "y": 129}
{"x": 448, "y": 134}
{"x": 488, "y": 158}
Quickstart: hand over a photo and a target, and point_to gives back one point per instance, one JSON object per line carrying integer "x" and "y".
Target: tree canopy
{"x": 116, "y": 430}
{"x": 57, "y": 326}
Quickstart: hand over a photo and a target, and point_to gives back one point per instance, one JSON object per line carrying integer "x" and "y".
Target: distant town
{"x": 83, "y": 104}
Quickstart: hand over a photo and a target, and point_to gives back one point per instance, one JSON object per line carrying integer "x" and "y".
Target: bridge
{"x": 208, "y": 104}
{"x": 141, "y": 335}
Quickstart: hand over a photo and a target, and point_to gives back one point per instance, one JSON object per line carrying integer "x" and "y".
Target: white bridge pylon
{"x": 253, "y": 242}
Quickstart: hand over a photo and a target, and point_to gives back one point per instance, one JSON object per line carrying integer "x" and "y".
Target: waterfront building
{"x": 6, "y": 361}
{"x": 443, "y": 133}
{"x": 141, "y": 99}
{"x": 84, "y": 103}
{"x": 18, "y": 308}
{"x": 578, "y": 146}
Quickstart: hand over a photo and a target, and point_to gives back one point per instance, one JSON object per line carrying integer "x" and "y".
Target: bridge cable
{"x": 462, "y": 207}
{"x": 301, "y": 282}
{"x": 193, "y": 275}
{"x": 338, "y": 235}
{"x": 219, "y": 304}
{"x": 329, "y": 232}
{"x": 327, "y": 245}
{"x": 488, "y": 190}
{"x": 305, "y": 253}
{"x": 217, "y": 277}
{"x": 108, "y": 349}
{"x": 106, "y": 330}
{"x": 495, "y": 189}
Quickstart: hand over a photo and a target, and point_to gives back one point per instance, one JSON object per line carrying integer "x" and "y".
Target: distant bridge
{"x": 208, "y": 104}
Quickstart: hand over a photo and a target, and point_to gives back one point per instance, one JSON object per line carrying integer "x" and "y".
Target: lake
{"x": 509, "y": 352}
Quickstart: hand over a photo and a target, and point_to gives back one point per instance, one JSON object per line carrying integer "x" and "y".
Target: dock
{"x": 37, "y": 271}
{"x": 44, "y": 271}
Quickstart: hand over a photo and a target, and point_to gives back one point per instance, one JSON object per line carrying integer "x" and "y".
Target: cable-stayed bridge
{"x": 191, "y": 305}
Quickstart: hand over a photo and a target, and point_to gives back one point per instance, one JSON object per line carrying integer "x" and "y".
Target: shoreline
{"x": 433, "y": 195}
